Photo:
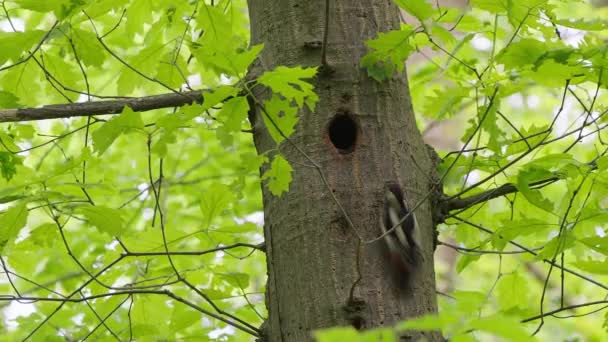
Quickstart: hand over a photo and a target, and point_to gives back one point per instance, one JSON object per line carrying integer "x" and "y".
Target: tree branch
{"x": 463, "y": 203}
{"x": 458, "y": 203}
{"x": 505, "y": 189}
{"x": 570, "y": 307}
{"x": 522, "y": 247}
{"x": 138, "y": 104}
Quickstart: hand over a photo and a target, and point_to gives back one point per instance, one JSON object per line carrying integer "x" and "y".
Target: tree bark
{"x": 312, "y": 251}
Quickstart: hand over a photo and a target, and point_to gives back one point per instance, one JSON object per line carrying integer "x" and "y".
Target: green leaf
{"x": 214, "y": 200}
{"x": 556, "y": 246}
{"x": 445, "y": 36}
{"x": 15, "y": 45}
{"x": 8, "y": 164}
{"x": 170, "y": 123}
{"x": 278, "y": 176}
{"x": 125, "y": 122}
{"x": 7, "y": 142}
{"x": 558, "y": 166}
{"x": 8, "y": 100}
{"x": 61, "y": 8}
{"x": 389, "y": 52}
{"x": 378, "y": 334}
{"x": 87, "y": 46}
{"x": 229, "y": 61}
{"x": 593, "y": 266}
{"x": 512, "y": 229}
{"x": 281, "y": 119}
{"x": 502, "y": 326}
{"x": 149, "y": 317}
{"x": 596, "y": 243}
{"x": 554, "y": 74}
{"x": 544, "y": 168}
{"x": 247, "y": 227}
{"x": 463, "y": 337}
{"x": 445, "y": 102}
{"x": 45, "y": 235}
{"x": 223, "y": 48}
{"x": 555, "y": 161}
{"x": 491, "y": 126}
{"x": 136, "y": 15}
{"x": 513, "y": 291}
{"x": 239, "y": 62}
{"x": 430, "y": 322}
{"x": 469, "y": 301}
{"x": 238, "y": 280}
{"x": 39, "y": 5}
{"x": 232, "y": 115}
{"x": 11, "y": 198}
{"x": 420, "y": 9}
{"x": 465, "y": 260}
{"x": 11, "y": 222}
{"x": 107, "y": 220}
{"x": 595, "y": 24}
{"x": 337, "y": 334}
{"x": 183, "y": 317}
{"x": 516, "y": 10}
{"x": 535, "y": 197}
{"x": 489, "y": 5}
{"x": 602, "y": 163}
{"x": 289, "y": 82}
{"x": 524, "y": 52}
{"x": 218, "y": 95}
{"x": 24, "y": 132}
{"x": 166, "y": 138}
{"x": 535, "y": 134}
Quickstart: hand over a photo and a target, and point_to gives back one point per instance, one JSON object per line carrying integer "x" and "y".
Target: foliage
{"x": 141, "y": 225}
{"x": 146, "y": 225}
{"x": 528, "y": 78}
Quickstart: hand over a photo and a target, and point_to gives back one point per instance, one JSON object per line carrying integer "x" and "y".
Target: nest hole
{"x": 343, "y": 133}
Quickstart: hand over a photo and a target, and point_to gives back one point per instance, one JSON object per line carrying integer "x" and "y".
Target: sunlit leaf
{"x": 420, "y": 9}
{"x": 214, "y": 200}
{"x": 290, "y": 82}
{"x": 127, "y": 121}
{"x": 388, "y": 52}
{"x": 15, "y": 45}
{"x": 11, "y": 222}
{"x": 232, "y": 115}
{"x": 281, "y": 118}
{"x": 107, "y": 220}
{"x": 278, "y": 176}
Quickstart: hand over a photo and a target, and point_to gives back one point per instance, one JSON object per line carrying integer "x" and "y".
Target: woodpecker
{"x": 403, "y": 242}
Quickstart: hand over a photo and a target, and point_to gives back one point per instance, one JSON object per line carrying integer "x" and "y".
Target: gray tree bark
{"x": 312, "y": 251}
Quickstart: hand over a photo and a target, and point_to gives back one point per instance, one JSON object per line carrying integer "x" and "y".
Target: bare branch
{"x": 259, "y": 247}
{"x": 459, "y": 203}
{"x": 505, "y": 189}
{"x": 138, "y": 104}
{"x": 467, "y": 202}
{"x": 565, "y": 308}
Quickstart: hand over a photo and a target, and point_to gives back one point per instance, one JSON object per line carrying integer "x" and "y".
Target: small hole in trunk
{"x": 343, "y": 132}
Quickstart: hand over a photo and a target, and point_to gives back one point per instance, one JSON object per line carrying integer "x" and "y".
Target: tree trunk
{"x": 311, "y": 249}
